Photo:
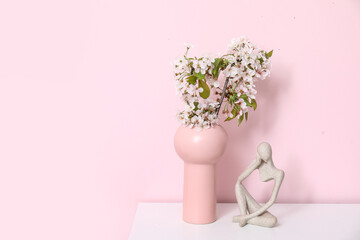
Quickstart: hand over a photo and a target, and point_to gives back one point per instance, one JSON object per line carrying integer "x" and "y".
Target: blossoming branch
{"x": 199, "y": 86}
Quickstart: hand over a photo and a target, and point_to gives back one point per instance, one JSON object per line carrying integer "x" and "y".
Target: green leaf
{"x": 199, "y": 76}
{"x": 191, "y": 79}
{"x": 246, "y": 116}
{"x": 217, "y": 65}
{"x": 232, "y": 98}
{"x": 196, "y": 104}
{"x": 261, "y": 60}
{"x": 224, "y": 64}
{"x": 253, "y": 104}
{"x": 234, "y": 112}
{"x": 243, "y": 96}
{"x": 246, "y": 99}
{"x": 249, "y": 66}
{"x": 206, "y": 93}
{"x": 269, "y": 54}
{"x": 241, "y": 118}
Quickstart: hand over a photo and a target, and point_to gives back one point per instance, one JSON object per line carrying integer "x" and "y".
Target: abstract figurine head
{"x": 264, "y": 151}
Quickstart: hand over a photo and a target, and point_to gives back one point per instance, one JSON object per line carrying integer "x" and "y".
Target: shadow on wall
{"x": 243, "y": 140}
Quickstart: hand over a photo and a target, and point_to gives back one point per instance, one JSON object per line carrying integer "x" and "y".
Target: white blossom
{"x": 188, "y": 45}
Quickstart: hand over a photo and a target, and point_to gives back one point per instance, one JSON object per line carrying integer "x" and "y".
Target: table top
{"x": 159, "y": 221}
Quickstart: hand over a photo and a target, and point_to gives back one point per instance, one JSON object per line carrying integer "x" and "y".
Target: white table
{"x": 157, "y": 221}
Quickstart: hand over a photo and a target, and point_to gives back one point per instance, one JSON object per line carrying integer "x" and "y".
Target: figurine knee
{"x": 271, "y": 221}
{"x": 241, "y": 188}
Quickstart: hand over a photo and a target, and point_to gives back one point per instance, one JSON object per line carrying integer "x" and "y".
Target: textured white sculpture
{"x": 250, "y": 211}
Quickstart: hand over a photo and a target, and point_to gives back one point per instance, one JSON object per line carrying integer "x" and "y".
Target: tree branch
{"x": 222, "y": 96}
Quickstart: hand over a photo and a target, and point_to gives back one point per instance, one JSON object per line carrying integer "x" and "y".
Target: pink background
{"x": 87, "y": 107}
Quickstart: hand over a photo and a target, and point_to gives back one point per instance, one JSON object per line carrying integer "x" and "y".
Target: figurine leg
{"x": 242, "y": 203}
{"x": 240, "y": 192}
{"x": 265, "y": 220}
{"x": 246, "y": 204}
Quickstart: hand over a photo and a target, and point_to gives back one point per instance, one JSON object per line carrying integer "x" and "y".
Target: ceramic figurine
{"x": 252, "y": 212}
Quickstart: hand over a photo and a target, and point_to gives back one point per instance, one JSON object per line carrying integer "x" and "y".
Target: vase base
{"x": 199, "y": 223}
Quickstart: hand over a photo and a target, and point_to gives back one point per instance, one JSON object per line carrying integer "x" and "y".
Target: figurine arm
{"x": 274, "y": 194}
{"x": 253, "y": 165}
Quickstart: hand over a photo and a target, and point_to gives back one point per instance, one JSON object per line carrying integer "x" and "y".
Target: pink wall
{"x": 87, "y": 107}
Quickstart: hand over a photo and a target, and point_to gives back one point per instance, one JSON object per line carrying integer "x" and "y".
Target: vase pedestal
{"x": 199, "y": 200}
{"x": 200, "y": 151}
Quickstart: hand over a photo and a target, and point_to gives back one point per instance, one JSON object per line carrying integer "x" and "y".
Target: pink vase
{"x": 200, "y": 150}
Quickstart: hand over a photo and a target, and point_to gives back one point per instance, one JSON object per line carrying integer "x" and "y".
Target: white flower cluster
{"x": 203, "y": 65}
{"x": 199, "y": 115}
{"x": 247, "y": 64}
{"x": 181, "y": 66}
{"x": 197, "y": 80}
{"x": 198, "y": 112}
{"x": 250, "y": 62}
